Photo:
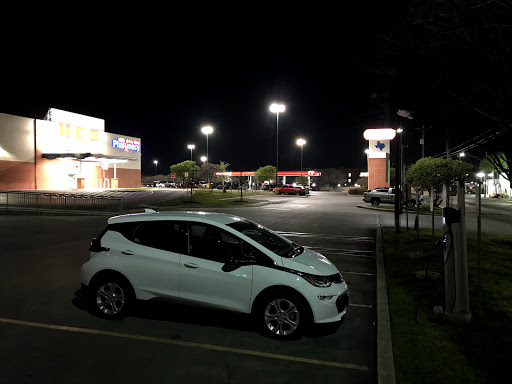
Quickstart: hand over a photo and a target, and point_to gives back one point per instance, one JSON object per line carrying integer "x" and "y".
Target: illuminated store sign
{"x": 126, "y": 144}
{"x": 55, "y": 137}
{"x": 76, "y": 119}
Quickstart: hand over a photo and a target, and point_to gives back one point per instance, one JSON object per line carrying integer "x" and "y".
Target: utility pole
{"x": 446, "y": 134}
{"x": 422, "y": 141}
{"x": 398, "y": 168}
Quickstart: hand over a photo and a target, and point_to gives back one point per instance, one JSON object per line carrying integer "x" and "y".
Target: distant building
{"x": 66, "y": 150}
{"x": 352, "y": 175}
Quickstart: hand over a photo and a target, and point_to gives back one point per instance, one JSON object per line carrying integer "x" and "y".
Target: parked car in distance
{"x": 386, "y": 195}
{"x": 212, "y": 259}
{"x": 293, "y": 190}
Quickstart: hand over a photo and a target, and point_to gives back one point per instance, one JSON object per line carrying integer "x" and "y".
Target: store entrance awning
{"x": 89, "y": 157}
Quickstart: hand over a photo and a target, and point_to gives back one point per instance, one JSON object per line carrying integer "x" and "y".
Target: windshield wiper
{"x": 295, "y": 251}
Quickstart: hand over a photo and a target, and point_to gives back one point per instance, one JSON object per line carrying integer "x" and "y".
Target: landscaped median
{"x": 426, "y": 351}
{"x": 212, "y": 199}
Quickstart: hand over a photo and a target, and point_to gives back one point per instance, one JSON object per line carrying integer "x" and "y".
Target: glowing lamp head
{"x": 277, "y": 108}
{"x": 301, "y": 142}
{"x": 207, "y": 130}
{"x": 191, "y": 146}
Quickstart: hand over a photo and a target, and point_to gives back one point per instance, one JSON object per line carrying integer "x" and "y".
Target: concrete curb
{"x": 385, "y": 363}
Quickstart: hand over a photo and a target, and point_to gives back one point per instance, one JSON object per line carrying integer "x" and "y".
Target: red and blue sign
{"x": 126, "y": 144}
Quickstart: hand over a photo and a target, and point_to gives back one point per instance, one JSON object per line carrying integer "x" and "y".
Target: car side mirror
{"x": 233, "y": 264}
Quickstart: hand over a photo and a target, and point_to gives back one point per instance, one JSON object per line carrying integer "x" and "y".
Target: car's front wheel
{"x": 112, "y": 297}
{"x": 282, "y": 315}
{"x": 297, "y": 193}
{"x": 375, "y": 201}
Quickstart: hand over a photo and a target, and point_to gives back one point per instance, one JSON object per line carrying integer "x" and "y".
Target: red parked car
{"x": 293, "y": 190}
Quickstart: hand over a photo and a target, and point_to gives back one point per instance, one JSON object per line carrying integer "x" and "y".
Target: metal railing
{"x": 69, "y": 203}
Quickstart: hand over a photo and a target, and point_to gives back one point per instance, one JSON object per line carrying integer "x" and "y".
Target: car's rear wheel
{"x": 297, "y": 193}
{"x": 112, "y": 297}
{"x": 375, "y": 201}
{"x": 282, "y": 315}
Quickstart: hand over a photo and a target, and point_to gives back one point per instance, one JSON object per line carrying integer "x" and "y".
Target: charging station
{"x": 456, "y": 308}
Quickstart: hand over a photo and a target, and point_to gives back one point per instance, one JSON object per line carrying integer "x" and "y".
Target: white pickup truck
{"x": 386, "y": 195}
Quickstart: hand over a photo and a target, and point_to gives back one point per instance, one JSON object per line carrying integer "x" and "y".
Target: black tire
{"x": 411, "y": 203}
{"x": 282, "y": 315}
{"x": 297, "y": 193}
{"x": 111, "y": 296}
{"x": 375, "y": 201}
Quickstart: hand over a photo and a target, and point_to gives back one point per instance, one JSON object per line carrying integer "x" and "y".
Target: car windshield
{"x": 270, "y": 240}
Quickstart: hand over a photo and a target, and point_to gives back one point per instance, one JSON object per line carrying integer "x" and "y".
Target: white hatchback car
{"x": 214, "y": 259}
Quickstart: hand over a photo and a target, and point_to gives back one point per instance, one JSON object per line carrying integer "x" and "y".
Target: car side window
{"x": 212, "y": 243}
{"x": 165, "y": 235}
{"x": 255, "y": 256}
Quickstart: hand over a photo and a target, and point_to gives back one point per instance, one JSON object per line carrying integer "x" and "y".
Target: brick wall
{"x": 377, "y": 170}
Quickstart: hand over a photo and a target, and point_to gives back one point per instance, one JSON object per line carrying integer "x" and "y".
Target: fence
{"x": 20, "y": 201}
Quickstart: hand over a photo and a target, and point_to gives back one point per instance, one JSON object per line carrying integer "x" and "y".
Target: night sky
{"x": 161, "y": 77}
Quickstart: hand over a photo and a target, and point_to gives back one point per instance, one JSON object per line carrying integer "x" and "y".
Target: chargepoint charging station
{"x": 456, "y": 307}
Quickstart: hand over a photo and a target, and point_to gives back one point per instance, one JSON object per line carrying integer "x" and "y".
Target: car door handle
{"x": 191, "y": 265}
{"x": 128, "y": 252}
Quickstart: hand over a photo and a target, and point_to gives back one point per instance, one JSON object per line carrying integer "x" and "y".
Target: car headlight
{"x": 317, "y": 281}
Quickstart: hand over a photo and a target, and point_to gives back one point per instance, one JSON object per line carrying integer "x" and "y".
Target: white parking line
{"x": 325, "y": 236}
{"x": 187, "y": 344}
{"x": 357, "y": 273}
{"x": 343, "y": 252}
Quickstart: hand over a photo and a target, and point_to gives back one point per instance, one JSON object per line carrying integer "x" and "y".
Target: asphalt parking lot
{"x": 49, "y": 336}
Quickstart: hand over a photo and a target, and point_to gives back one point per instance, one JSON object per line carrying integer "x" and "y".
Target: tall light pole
{"x": 301, "y": 142}
{"x": 191, "y": 147}
{"x": 207, "y": 130}
{"x": 277, "y": 108}
{"x": 156, "y": 167}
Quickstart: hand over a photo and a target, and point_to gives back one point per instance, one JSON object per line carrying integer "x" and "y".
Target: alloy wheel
{"x": 281, "y": 317}
{"x": 110, "y": 299}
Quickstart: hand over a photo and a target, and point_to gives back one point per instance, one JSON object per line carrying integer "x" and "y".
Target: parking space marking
{"x": 357, "y": 273}
{"x": 334, "y": 364}
{"x": 343, "y": 252}
{"x": 278, "y": 209}
{"x": 325, "y": 236}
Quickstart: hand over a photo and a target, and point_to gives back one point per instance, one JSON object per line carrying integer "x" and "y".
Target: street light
{"x": 203, "y": 159}
{"x": 156, "y": 167}
{"x": 277, "y": 108}
{"x": 207, "y": 130}
{"x": 191, "y": 147}
{"x": 301, "y": 142}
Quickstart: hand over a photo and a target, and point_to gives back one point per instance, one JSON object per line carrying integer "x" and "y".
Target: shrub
{"x": 357, "y": 191}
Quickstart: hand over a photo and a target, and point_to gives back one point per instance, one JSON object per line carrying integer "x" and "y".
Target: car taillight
{"x": 96, "y": 246}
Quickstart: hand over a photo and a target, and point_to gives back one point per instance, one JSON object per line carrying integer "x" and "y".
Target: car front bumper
{"x": 327, "y": 304}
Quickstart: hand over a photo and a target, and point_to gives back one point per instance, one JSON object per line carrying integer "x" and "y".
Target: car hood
{"x": 312, "y": 262}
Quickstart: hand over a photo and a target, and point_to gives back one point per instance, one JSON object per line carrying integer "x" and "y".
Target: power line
{"x": 470, "y": 144}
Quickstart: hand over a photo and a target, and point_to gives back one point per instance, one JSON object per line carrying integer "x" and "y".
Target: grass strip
{"x": 426, "y": 351}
